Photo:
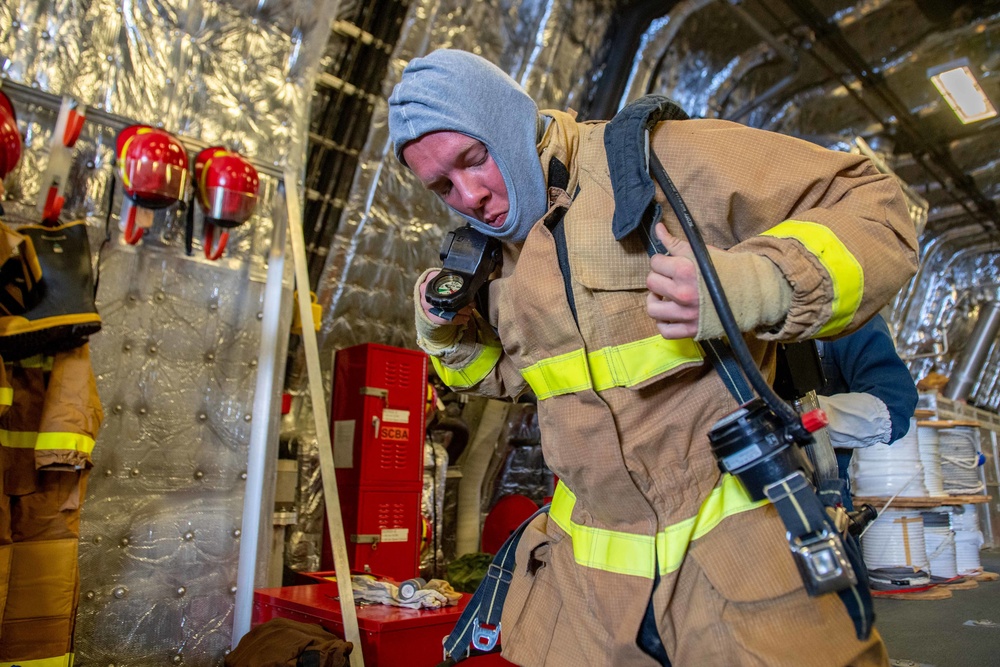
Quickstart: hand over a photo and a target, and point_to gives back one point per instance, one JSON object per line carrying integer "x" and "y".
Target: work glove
{"x": 435, "y": 594}
{"x": 433, "y": 338}
{"x": 856, "y": 420}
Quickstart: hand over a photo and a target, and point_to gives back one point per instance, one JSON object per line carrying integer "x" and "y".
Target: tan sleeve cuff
{"x": 756, "y": 290}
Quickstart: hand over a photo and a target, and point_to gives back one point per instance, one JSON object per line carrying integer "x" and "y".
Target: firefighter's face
{"x": 461, "y": 171}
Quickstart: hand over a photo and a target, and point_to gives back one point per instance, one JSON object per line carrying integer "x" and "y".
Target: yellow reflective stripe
{"x": 58, "y": 661}
{"x": 846, "y": 274}
{"x": 6, "y": 396}
{"x": 47, "y": 441}
{"x": 562, "y": 374}
{"x": 42, "y": 361}
{"x": 72, "y": 441}
{"x": 726, "y": 499}
{"x": 640, "y": 555}
{"x": 628, "y": 365}
{"x": 472, "y": 372}
{"x": 608, "y": 550}
{"x": 613, "y": 366}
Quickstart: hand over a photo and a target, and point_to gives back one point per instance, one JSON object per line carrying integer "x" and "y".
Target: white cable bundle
{"x": 968, "y": 540}
{"x": 930, "y": 457}
{"x": 889, "y": 470}
{"x": 895, "y": 540}
{"x": 959, "y": 448}
{"x": 939, "y": 540}
{"x": 967, "y": 546}
{"x": 964, "y": 517}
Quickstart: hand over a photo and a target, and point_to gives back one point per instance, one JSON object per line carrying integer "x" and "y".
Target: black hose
{"x": 739, "y": 346}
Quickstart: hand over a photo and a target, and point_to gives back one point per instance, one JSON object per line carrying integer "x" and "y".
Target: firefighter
{"x": 648, "y": 554}
{"x": 868, "y": 394}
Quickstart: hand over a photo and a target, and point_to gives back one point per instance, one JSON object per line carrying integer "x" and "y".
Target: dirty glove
{"x": 856, "y": 420}
{"x": 433, "y": 338}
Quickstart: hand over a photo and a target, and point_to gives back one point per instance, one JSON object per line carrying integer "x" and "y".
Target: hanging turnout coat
{"x": 624, "y": 413}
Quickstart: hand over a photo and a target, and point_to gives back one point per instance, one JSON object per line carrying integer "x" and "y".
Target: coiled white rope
{"x": 959, "y": 447}
{"x": 930, "y": 458}
{"x": 939, "y": 540}
{"x": 963, "y": 517}
{"x": 889, "y": 502}
{"x": 895, "y": 540}
{"x": 890, "y": 470}
{"x": 968, "y": 539}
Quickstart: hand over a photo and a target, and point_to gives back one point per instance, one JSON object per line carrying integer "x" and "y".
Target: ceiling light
{"x": 957, "y": 84}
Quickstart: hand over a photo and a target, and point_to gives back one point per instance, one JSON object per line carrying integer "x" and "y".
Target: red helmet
{"x": 227, "y": 186}
{"x": 153, "y": 166}
{"x": 10, "y": 138}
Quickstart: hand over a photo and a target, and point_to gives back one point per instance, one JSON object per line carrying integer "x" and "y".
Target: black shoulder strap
{"x": 559, "y": 178}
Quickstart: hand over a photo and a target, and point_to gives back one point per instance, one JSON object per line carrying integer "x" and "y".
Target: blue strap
{"x": 799, "y": 506}
{"x": 479, "y": 625}
{"x": 725, "y": 364}
{"x": 856, "y": 599}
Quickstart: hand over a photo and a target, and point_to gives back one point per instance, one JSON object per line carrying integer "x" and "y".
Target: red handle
{"x": 53, "y": 205}
{"x": 133, "y": 234}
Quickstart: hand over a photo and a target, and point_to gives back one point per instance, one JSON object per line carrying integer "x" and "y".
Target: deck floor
{"x": 961, "y": 631}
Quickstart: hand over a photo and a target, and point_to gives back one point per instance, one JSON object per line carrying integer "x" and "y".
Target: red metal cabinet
{"x": 379, "y": 393}
{"x": 377, "y": 431}
{"x": 382, "y": 534}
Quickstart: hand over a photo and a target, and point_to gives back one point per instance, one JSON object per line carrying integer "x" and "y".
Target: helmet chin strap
{"x": 132, "y": 233}
{"x": 213, "y": 253}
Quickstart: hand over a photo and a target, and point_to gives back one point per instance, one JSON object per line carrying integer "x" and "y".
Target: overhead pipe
{"x": 777, "y": 46}
{"x": 782, "y": 49}
{"x": 988, "y": 389}
{"x": 977, "y": 248}
{"x": 621, "y": 77}
{"x": 984, "y": 334}
{"x": 904, "y": 312}
{"x": 926, "y": 253}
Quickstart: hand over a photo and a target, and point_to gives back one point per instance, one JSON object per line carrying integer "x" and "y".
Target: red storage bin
{"x": 381, "y": 527}
{"x": 390, "y": 636}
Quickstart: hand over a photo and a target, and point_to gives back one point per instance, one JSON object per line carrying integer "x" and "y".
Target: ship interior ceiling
{"x": 854, "y": 76}
{"x": 194, "y": 362}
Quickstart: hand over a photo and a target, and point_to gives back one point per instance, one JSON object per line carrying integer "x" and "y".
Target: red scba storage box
{"x": 377, "y": 432}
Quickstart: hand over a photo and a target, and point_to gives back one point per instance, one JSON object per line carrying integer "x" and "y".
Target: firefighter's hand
{"x": 462, "y": 317}
{"x": 673, "y": 301}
